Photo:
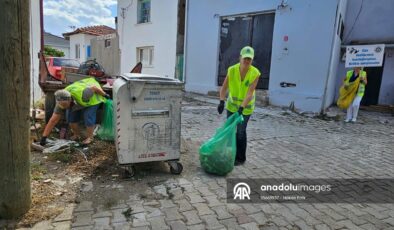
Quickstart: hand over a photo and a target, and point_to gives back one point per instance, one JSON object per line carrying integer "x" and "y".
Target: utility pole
{"x": 15, "y": 193}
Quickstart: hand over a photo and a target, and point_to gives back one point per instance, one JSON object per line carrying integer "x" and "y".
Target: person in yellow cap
{"x": 241, "y": 82}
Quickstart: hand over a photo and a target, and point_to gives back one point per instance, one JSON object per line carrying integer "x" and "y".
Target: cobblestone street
{"x": 281, "y": 144}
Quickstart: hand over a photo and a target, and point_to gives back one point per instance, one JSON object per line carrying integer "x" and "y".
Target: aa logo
{"x": 241, "y": 191}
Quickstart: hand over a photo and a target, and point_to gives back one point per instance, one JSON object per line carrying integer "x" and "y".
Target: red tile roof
{"x": 93, "y": 30}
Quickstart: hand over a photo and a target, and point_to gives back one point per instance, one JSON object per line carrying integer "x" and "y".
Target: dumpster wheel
{"x": 129, "y": 171}
{"x": 175, "y": 167}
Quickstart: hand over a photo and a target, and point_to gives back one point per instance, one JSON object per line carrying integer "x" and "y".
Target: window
{"x": 77, "y": 51}
{"x": 107, "y": 43}
{"x": 143, "y": 13}
{"x": 145, "y": 56}
{"x": 88, "y": 54}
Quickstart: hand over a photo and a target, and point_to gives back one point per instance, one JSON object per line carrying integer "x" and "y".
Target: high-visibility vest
{"x": 239, "y": 89}
{"x": 76, "y": 90}
{"x": 361, "y": 87}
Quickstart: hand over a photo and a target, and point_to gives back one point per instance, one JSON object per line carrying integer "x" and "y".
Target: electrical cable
{"x": 355, "y": 21}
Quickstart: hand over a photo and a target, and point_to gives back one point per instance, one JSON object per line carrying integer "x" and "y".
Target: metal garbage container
{"x": 147, "y": 120}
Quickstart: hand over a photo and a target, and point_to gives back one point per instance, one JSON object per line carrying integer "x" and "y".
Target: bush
{"x": 52, "y": 52}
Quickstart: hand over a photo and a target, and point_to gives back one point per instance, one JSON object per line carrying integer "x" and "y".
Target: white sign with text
{"x": 364, "y": 56}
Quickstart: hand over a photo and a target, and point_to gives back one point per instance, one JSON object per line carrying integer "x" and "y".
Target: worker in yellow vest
{"x": 82, "y": 98}
{"x": 354, "y": 76}
{"x": 241, "y": 82}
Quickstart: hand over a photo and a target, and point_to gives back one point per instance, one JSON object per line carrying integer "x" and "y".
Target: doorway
{"x": 372, "y": 89}
{"x": 239, "y": 31}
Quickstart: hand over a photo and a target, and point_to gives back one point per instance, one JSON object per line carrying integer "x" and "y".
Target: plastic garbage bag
{"x": 107, "y": 129}
{"x": 347, "y": 93}
{"x": 217, "y": 155}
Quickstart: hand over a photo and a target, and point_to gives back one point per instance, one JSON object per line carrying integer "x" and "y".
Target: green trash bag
{"x": 217, "y": 155}
{"x": 107, "y": 130}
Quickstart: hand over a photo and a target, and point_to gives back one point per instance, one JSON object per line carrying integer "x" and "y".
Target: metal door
{"x": 237, "y": 32}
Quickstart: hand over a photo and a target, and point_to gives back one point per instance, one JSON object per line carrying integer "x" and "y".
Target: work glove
{"x": 240, "y": 110}
{"x": 107, "y": 96}
{"x": 43, "y": 141}
{"x": 221, "y": 107}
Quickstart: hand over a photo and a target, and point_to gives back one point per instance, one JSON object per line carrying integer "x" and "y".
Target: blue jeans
{"x": 88, "y": 113}
{"x": 241, "y": 138}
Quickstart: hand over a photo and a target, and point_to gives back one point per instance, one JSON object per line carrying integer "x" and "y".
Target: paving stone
{"x": 158, "y": 223}
{"x": 184, "y": 205}
{"x": 260, "y": 218}
{"x": 250, "y": 208}
{"x": 322, "y": 227}
{"x": 250, "y": 226}
{"x": 183, "y": 181}
{"x": 177, "y": 225}
{"x": 102, "y": 214}
{"x": 139, "y": 220}
{"x": 368, "y": 226}
{"x": 166, "y": 203}
{"x": 121, "y": 226}
{"x": 43, "y": 225}
{"x": 213, "y": 201}
{"x": 151, "y": 203}
{"x": 346, "y": 224}
{"x": 389, "y": 221}
{"x": 118, "y": 216}
{"x": 280, "y": 221}
{"x": 192, "y": 217}
{"x": 203, "y": 209}
{"x": 196, "y": 227}
{"x": 82, "y": 228}
{"x": 64, "y": 225}
{"x": 195, "y": 198}
{"x": 205, "y": 191}
{"x": 120, "y": 205}
{"x": 211, "y": 222}
{"x": 84, "y": 206}
{"x": 230, "y": 223}
{"x": 67, "y": 214}
{"x": 172, "y": 214}
{"x": 221, "y": 212}
{"x": 154, "y": 213}
{"x": 83, "y": 219}
{"x": 302, "y": 225}
{"x": 140, "y": 228}
{"x": 243, "y": 219}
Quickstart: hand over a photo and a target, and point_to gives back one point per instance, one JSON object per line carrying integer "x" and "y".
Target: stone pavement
{"x": 280, "y": 144}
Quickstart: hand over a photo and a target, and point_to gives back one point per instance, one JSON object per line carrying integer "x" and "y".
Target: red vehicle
{"x": 55, "y": 65}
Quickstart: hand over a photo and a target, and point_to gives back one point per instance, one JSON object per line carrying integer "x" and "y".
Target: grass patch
{"x": 64, "y": 157}
{"x": 37, "y": 170}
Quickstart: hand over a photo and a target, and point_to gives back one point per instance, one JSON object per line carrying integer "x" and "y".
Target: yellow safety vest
{"x": 239, "y": 89}
{"x": 76, "y": 90}
{"x": 361, "y": 87}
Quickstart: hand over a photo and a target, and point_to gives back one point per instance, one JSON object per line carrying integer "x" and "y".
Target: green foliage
{"x": 37, "y": 170}
{"x": 52, "y": 52}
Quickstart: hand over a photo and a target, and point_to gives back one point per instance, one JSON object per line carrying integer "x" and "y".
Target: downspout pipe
{"x": 42, "y": 25}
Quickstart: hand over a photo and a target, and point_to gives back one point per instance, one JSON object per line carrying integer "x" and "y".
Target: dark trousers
{"x": 241, "y": 138}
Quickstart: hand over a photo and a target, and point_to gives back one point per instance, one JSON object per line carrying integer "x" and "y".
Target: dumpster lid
{"x": 148, "y": 77}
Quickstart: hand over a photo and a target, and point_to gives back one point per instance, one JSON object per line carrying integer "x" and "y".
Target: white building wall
{"x": 160, "y": 33}
{"x": 331, "y": 89}
{"x": 84, "y": 41}
{"x": 35, "y": 46}
{"x": 309, "y": 25}
{"x": 386, "y": 95}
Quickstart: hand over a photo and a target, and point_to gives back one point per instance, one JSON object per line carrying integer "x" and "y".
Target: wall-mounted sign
{"x": 364, "y": 56}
